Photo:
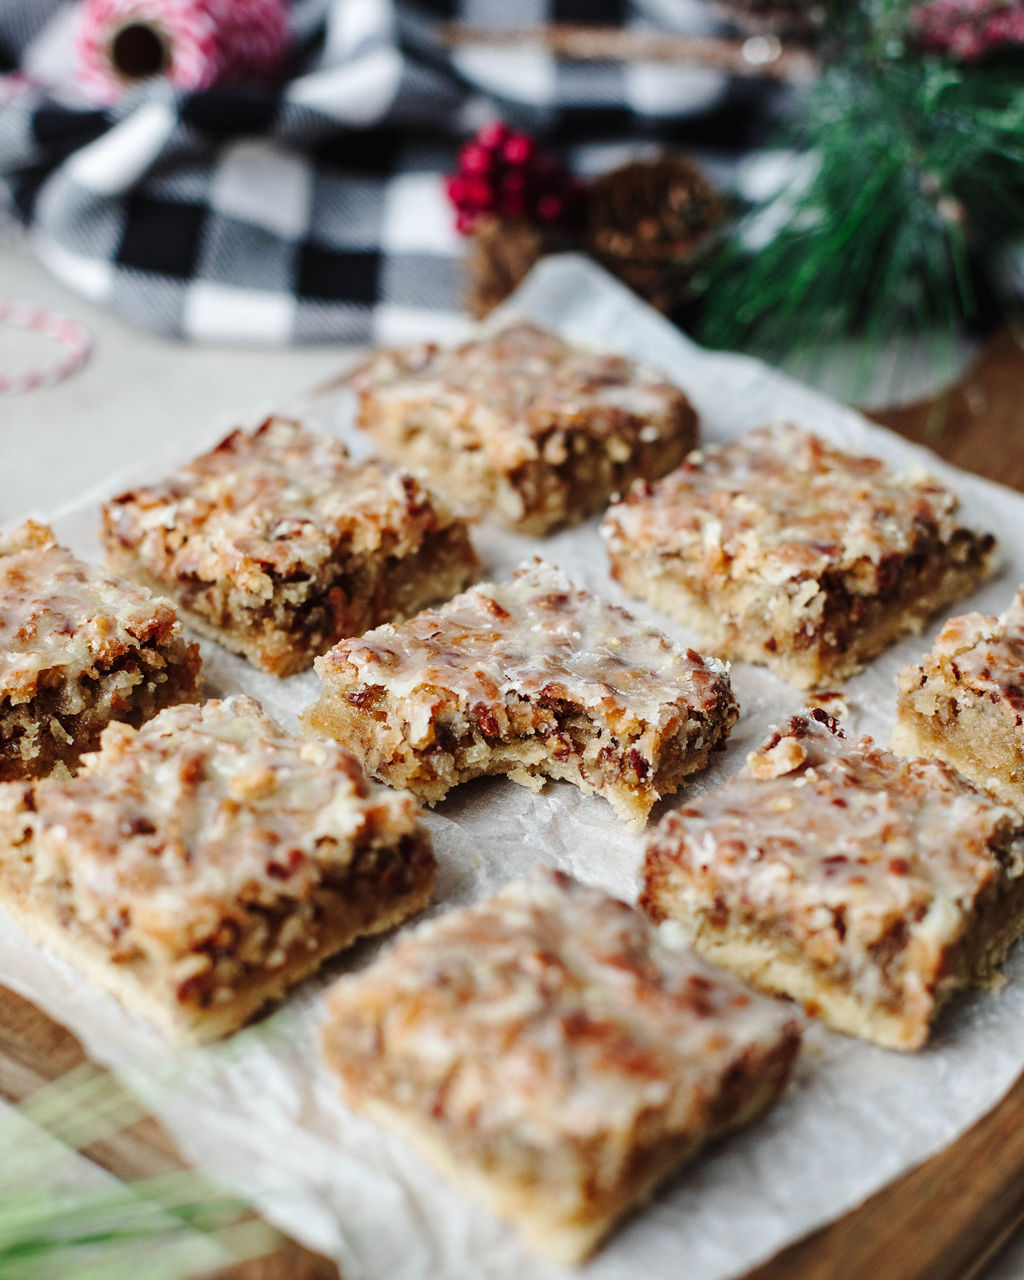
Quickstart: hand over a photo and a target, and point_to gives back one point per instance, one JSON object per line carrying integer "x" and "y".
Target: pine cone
{"x": 501, "y": 252}
{"x": 798, "y": 20}
{"x": 648, "y": 222}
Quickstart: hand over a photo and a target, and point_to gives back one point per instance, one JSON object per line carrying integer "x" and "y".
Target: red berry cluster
{"x": 506, "y": 173}
{"x": 969, "y": 29}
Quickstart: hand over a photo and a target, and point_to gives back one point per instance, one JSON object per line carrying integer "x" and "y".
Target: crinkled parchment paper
{"x": 260, "y": 1112}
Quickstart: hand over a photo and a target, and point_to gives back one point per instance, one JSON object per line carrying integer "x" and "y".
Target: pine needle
{"x": 916, "y": 184}
{"x": 62, "y": 1219}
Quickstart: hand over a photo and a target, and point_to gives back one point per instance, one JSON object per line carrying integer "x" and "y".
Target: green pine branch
{"x": 55, "y": 1223}
{"x": 914, "y": 185}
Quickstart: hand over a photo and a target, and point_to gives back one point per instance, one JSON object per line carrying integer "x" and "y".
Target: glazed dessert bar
{"x": 553, "y": 1058}
{"x": 78, "y": 648}
{"x": 784, "y": 550}
{"x": 965, "y": 702}
{"x": 530, "y": 677}
{"x": 277, "y": 544}
{"x": 523, "y": 427}
{"x": 869, "y": 887}
{"x": 199, "y": 866}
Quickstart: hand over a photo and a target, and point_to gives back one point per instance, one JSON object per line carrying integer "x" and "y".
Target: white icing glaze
{"x": 270, "y": 505}
{"x": 552, "y": 1010}
{"x": 169, "y": 825}
{"x": 537, "y": 636}
{"x": 981, "y": 656}
{"x": 56, "y": 612}
{"x": 501, "y": 394}
{"x": 780, "y": 504}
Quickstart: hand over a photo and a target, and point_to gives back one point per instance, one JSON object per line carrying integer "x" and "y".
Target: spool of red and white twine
{"x": 69, "y": 333}
{"x": 194, "y": 44}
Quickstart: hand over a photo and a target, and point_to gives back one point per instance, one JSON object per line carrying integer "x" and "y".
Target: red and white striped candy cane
{"x": 69, "y": 333}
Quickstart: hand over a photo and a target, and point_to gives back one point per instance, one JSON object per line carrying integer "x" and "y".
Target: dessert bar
{"x": 277, "y": 544}
{"x": 867, "y": 886}
{"x": 785, "y": 550}
{"x": 964, "y": 703}
{"x": 78, "y": 648}
{"x": 200, "y": 865}
{"x": 552, "y": 1057}
{"x": 529, "y": 677}
{"x": 522, "y": 426}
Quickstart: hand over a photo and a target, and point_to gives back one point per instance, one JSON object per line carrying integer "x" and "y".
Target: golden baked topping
{"x": 502, "y": 392}
{"x": 272, "y": 505}
{"x": 535, "y": 636}
{"x": 168, "y": 826}
{"x": 58, "y": 612}
{"x": 554, "y": 1011}
{"x": 781, "y": 504}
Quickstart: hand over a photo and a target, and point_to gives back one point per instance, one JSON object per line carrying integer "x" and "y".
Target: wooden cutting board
{"x": 944, "y": 1220}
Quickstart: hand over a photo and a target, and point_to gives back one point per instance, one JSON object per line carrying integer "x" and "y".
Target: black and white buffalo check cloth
{"x": 316, "y": 210}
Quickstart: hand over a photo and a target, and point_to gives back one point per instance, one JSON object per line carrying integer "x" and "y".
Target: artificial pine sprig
{"x": 913, "y": 187}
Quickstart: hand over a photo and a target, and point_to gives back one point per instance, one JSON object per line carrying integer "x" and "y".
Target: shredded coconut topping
{"x": 554, "y": 1009}
{"x": 781, "y": 504}
{"x": 502, "y": 391}
{"x": 168, "y": 825}
{"x": 538, "y": 636}
{"x": 58, "y": 612}
{"x": 272, "y": 504}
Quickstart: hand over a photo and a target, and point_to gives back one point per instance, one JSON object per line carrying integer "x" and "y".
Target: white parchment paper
{"x": 260, "y": 1112}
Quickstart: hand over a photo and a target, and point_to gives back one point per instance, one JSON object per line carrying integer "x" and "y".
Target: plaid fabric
{"x": 315, "y": 210}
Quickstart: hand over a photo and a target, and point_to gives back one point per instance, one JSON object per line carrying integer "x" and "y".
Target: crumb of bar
{"x": 201, "y": 865}
{"x": 524, "y": 427}
{"x": 833, "y": 701}
{"x": 964, "y": 703}
{"x": 78, "y": 649}
{"x": 869, "y": 887}
{"x": 530, "y": 677}
{"x": 554, "y": 1057}
{"x": 276, "y": 543}
{"x": 784, "y": 550}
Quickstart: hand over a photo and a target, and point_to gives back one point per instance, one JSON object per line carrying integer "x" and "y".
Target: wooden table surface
{"x": 944, "y": 1220}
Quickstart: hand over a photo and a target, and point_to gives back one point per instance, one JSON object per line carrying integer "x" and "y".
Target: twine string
{"x": 72, "y": 336}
